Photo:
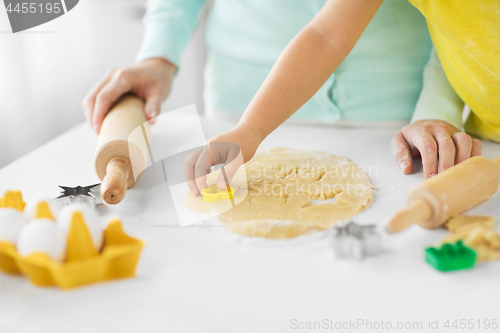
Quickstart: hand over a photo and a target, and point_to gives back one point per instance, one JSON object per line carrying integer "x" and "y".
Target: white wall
{"x": 46, "y": 71}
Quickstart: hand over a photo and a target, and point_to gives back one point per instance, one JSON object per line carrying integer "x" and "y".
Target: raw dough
{"x": 467, "y": 222}
{"x": 476, "y": 232}
{"x": 279, "y": 187}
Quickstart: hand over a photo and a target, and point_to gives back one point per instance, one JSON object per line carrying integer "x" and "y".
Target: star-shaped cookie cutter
{"x": 81, "y": 194}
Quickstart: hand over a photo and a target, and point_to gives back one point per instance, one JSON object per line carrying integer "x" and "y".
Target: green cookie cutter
{"x": 450, "y": 257}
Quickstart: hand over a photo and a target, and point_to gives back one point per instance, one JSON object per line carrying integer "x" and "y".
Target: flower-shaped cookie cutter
{"x": 357, "y": 241}
{"x": 212, "y": 194}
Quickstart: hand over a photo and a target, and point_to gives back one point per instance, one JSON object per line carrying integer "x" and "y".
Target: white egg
{"x": 31, "y": 207}
{"x": 91, "y": 221}
{"x": 42, "y": 235}
{"x": 11, "y": 223}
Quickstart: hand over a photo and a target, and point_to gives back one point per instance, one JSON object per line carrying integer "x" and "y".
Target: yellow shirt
{"x": 466, "y": 35}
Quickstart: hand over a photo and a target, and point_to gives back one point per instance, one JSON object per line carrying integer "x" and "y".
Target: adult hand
{"x": 150, "y": 80}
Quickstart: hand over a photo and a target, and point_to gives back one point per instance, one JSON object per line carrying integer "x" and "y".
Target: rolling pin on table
{"x": 122, "y": 149}
{"x": 452, "y": 192}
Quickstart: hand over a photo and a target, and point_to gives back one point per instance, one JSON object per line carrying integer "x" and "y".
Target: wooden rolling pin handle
{"x": 114, "y": 184}
{"x": 418, "y": 211}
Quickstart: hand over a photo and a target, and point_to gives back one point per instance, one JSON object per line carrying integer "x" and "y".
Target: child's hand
{"x": 233, "y": 148}
{"x": 150, "y": 80}
{"x": 433, "y": 140}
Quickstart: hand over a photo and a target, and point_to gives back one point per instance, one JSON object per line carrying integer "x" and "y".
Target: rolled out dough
{"x": 274, "y": 199}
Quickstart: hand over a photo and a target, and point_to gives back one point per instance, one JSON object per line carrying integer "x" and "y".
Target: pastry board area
{"x": 207, "y": 279}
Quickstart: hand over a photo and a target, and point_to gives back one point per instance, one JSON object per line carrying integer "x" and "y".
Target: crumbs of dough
{"x": 477, "y": 232}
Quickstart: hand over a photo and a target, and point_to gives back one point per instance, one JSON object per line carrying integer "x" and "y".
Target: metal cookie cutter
{"x": 87, "y": 194}
{"x": 357, "y": 241}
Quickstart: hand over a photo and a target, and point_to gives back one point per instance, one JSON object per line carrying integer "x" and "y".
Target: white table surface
{"x": 209, "y": 280}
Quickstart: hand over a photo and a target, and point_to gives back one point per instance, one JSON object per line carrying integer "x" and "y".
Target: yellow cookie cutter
{"x": 212, "y": 194}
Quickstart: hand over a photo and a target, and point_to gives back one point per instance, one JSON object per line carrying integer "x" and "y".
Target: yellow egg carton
{"x": 118, "y": 259}
{"x": 13, "y": 199}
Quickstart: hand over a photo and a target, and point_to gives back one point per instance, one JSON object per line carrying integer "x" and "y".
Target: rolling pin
{"x": 122, "y": 149}
{"x": 452, "y": 192}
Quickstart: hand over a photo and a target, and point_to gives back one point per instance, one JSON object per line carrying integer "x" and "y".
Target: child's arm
{"x": 435, "y": 132}
{"x": 168, "y": 27}
{"x": 303, "y": 67}
{"x": 307, "y": 62}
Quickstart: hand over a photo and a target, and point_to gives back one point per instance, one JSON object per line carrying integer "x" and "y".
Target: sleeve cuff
{"x": 438, "y": 100}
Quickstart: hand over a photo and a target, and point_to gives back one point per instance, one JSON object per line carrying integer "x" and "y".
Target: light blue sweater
{"x": 380, "y": 80}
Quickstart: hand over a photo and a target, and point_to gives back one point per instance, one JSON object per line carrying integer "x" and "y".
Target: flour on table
{"x": 274, "y": 194}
